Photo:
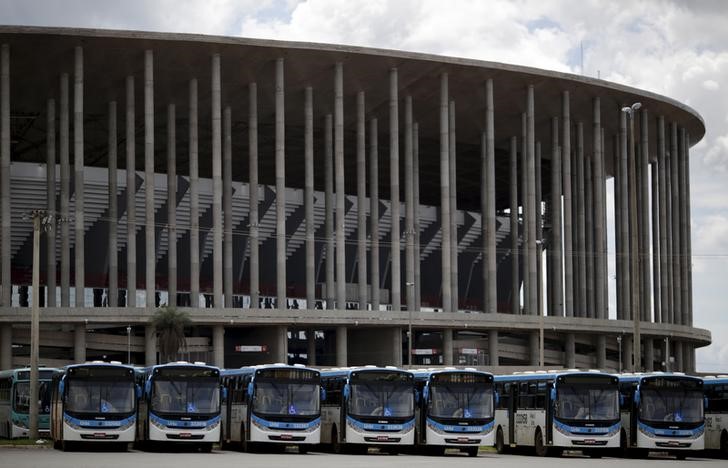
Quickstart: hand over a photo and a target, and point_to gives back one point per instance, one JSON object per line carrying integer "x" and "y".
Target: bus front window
{"x": 388, "y": 400}
{"x": 577, "y": 402}
{"x": 87, "y": 396}
{"x": 457, "y": 401}
{"x": 286, "y": 399}
{"x": 193, "y": 396}
{"x": 671, "y": 405}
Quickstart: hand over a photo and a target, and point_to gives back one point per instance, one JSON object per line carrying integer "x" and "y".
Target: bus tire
{"x": 472, "y": 451}
{"x": 500, "y": 444}
{"x": 244, "y": 445}
{"x": 724, "y": 444}
{"x": 336, "y": 446}
{"x": 538, "y": 444}
{"x": 303, "y": 449}
{"x": 66, "y": 446}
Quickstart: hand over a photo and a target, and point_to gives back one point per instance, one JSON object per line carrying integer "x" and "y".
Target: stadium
{"x": 336, "y": 205}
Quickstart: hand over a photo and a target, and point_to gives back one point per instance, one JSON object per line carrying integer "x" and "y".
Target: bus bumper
{"x": 83, "y": 434}
{"x": 563, "y": 437}
{"x": 357, "y": 433}
{"x": 435, "y": 436}
{"x": 657, "y": 442}
{"x": 262, "y": 433}
{"x": 174, "y": 434}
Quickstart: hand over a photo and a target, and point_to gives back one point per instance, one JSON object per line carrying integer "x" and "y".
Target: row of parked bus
{"x": 353, "y": 409}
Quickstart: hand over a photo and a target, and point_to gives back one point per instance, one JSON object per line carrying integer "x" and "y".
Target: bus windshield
{"x": 389, "y": 399}
{"x": 99, "y": 396}
{"x": 21, "y": 403}
{"x": 286, "y": 398}
{"x": 186, "y": 396}
{"x": 587, "y": 403}
{"x": 671, "y": 405}
{"x": 461, "y": 401}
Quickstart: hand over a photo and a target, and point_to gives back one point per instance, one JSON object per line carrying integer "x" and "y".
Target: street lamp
{"x": 128, "y": 344}
{"x": 619, "y": 345}
{"x": 409, "y": 329}
{"x": 634, "y": 257}
{"x": 539, "y": 247}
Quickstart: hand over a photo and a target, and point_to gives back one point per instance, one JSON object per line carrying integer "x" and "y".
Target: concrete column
{"x": 670, "y": 241}
{"x": 493, "y": 354}
{"x": 537, "y": 206}
{"x": 679, "y": 364}
{"x": 341, "y": 347}
{"x": 453, "y": 210}
{"x": 78, "y": 182}
{"x": 416, "y": 205}
{"x": 600, "y": 233}
{"x": 410, "y": 208}
{"x": 515, "y": 264}
{"x": 533, "y": 347}
{"x": 644, "y": 196}
{"x": 150, "y": 256}
{"x": 684, "y": 232}
{"x": 374, "y": 212}
{"x": 311, "y": 346}
{"x": 227, "y": 209}
{"x": 218, "y": 346}
{"x": 662, "y": 217}
{"x": 217, "y": 189}
{"x": 113, "y": 218}
{"x": 79, "y": 343}
{"x": 253, "y": 217}
{"x": 361, "y": 194}
{"x": 195, "y": 200}
{"x": 556, "y": 307}
{"x": 130, "y": 145}
{"x": 488, "y": 218}
{"x": 150, "y": 345}
{"x": 633, "y": 253}
{"x": 340, "y": 189}
{"x": 447, "y": 347}
{"x": 649, "y": 354}
{"x": 655, "y": 222}
{"x": 627, "y": 346}
{"x": 581, "y": 222}
{"x": 689, "y": 252}
{"x": 568, "y": 215}
{"x": 570, "y": 349}
{"x": 63, "y": 141}
{"x": 308, "y": 204}
{"x": 526, "y": 307}
{"x": 618, "y": 241}
{"x": 282, "y": 344}
{"x": 280, "y": 188}
{"x": 51, "y": 200}
{"x": 397, "y": 347}
{"x": 172, "y": 205}
{"x": 329, "y": 216}
{"x": 601, "y": 351}
{"x": 394, "y": 188}
{"x": 445, "y": 193}
{"x": 531, "y": 203}
{"x": 676, "y": 238}
{"x": 5, "y": 278}
{"x": 624, "y": 281}
{"x": 589, "y": 235}
{"x": 6, "y": 346}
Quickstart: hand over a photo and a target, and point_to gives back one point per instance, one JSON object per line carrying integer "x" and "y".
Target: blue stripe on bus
{"x": 381, "y": 427}
{"x": 670, "y": 432}
{"x": 454, "y": 428}
{"x": 179, "y": 424}
{"x": 92, "y": 423}
{"x": 285, "y": 425}
{"x": 586, "y": 430}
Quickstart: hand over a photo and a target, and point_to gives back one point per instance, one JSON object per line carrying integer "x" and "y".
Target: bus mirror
{"x": 553, "y": 394}
{"x": 322, "y": 394}
{"x": 346, "y": 391}
{"x": 61, "y": 387}
{"x": 426, "y": 392}
{"x": 417, "y": 396}
{"x": 250, "y": 389}
{"x": 148, "y": 388}
{"x": 497, "y": 398}
{"x": 224, "y": 394}
{"x": 138, "y": 391}
{"x": 637, "y": 396}
{"x": 621, "y": 400}
{"x": 705, "y": 402}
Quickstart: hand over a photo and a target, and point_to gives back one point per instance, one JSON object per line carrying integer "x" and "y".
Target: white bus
{"x": 662, "y": 412}
{"x": 276, "y": 404}
{"x": 554, "y": 411}
{"x": 181, "y": 404}
{"x": 15, "y": 402}
{"x": 456, "y": 410}
{"x": 716, "y": 414}
{"x": 94, "y": 402}
{"x": 368, "y": 407}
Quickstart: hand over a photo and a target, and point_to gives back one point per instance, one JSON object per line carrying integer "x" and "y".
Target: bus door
{"x": 512, "y": 408}
{"x": 230, "y": 383}
{"x": 549, "y": 394}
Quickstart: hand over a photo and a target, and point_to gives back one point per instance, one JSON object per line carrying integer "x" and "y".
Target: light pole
{"x": 667, "y": 354}
{"x": 619, "y": 345}
{"x": 634, "y": 256}
{"x": 128, "y": 344}
{"x": 409, "y": 328}
{"x": 539, "y": 247}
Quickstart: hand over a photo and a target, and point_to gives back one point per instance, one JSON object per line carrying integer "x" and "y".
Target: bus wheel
{"x": 724, "y": 445}
{"x": 244, "y": 445}
{"x": 472, "y": 451}
{"x": 541, "y": 449}
{"x": 335, "y": 444}
{"x": 500, "y": 445}
{"x": 303, "y": 449}
{"x": 681, "y": 455}
{"x": 66, "y": 446}
{"x": 206, "y": 447}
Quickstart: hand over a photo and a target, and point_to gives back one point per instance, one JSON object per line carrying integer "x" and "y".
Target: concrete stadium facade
{"x": 265, "y": 176}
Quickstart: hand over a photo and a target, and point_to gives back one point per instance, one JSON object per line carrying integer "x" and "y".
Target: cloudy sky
{"x": 679, "y": 49}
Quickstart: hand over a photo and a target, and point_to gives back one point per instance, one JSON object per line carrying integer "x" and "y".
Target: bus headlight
{"x": 72, "y": 424}
{"x": 213, "y": 425}
{"x": 127, "y": 423}
{"x": 157, "y": 423}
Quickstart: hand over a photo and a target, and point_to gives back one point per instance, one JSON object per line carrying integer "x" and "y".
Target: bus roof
{"x": 346, "y": 371}
{"x": 177, "y": 364}
{"x": 526, "y": 376}
{"x": 14, "y": 372}
{"x": 251, "y": 369}
{"x": 639, "y": 377}
{"x": 98, "y": 364}
{"x": 715, "y": 380}
{"x": 426, "y": 373}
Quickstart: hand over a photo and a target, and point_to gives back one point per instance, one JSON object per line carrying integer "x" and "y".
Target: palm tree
{"x": 170, "y": 324}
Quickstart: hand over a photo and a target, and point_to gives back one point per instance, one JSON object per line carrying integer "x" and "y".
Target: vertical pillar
{"x": 589, "y": 235}
{"x": 600, "y": 233}
{"x": 581, "y": 221}
{"x": 361, "y": 189}
{"x": 150, "y": 345}
{"x": 570, "y": 348}
{"x": 79, "y": 343}
{"x": 568, "y": 215}
{"x": 150, "y": 228}
{"x": 453, "y": 210}
{"x": 172, "y": 205}
{"x": 676, "y": 240}
{"x": 601, "y": 348}
{"x": 329, "y": 216}
{"x": 531, "y": 204}
{"x": 409, "y": 207}
{"x": 684, "y": 232}
{"x": 662, "y": 217}
{"x": 416, "y": 205}
{"x": 281, "y": 344}
{"x": 341, "y": 347}
{"x": 308, "y": 206}
{"x": 397, "y": 347}
{"x": 194, "y": 200}
{"x": 394, "y": 188}
{"x": 374, "y": 212}
{"x": 78, "y": 169}
{"x": 113, "y": 217}
{"x": 493, "y": 354}
{"x": 445, "y": 193}
{"x": 655, "y": 220}
{"x": 253, "y": 217}
{"x": 633, "y": 254}
{"x": 627, "y": 361}
{"x": 534, "y": 343}
{"x": 63, "y": 141}
{"x": 217, "y": 190}
{"x": 649, "y": 355}
{"x": 51, "y": 200}
{"x": 6, "y": 346}
{"x": 515, "y": 264}
{"x": 538, "y": 302}
{"x": 619, "y": 198}
{"x": 227, "y": 209}
{"x": 523, "y": 190}
{"x": 689, "y": 252}
{"x": 339, "y": 182}
{"x": 670, "y": 241}
{"x": 311, "y": 346}
{"x": 556, "y": 279}
{"x": 624, "y": 281}
{"x": 447, "y": 348}
{"x": 130, "y": 196}
{"x": 679, "y": 364}
{"x": 280, "y": 188}
{"x": 218, "y": 346}
{"x": 5, "y": 279}
{"x": 491, "y": 282}
{"x": 644, "y": 196}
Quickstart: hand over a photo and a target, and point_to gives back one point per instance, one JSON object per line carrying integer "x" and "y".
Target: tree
{"x": 170, "y": 324}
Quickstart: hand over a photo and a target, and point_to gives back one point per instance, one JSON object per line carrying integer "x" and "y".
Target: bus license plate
{"x": 673, "y": 443}
{"x": 383, "y": 438}
{"x": 99, "y": 435}
{"x": 286, "y": 436}
{"x": 590, "y": 441}
{"x": 185, "y": 435}
{"x": 463, "y": 440}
